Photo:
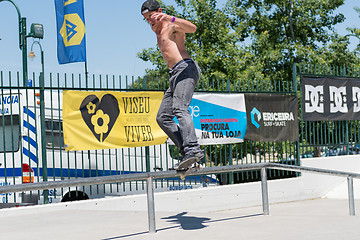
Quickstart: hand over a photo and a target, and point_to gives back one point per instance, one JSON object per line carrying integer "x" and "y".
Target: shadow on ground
{"x": 186, "y": 223}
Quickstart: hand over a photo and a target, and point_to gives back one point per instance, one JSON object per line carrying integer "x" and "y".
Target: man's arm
{"x": 181, "y": 24}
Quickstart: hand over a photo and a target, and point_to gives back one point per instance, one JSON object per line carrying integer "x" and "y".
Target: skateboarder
{"x": 184, "y": 75}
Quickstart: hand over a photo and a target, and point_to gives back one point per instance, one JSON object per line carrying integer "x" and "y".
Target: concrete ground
{"x": 312, "y": 219}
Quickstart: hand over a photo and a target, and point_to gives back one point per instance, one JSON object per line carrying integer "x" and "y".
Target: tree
{"x": 285, "y": 32}
{"x": 214, "y": 45}
{"x": 257, "y": 39}
{"x": 356, "y": 33}
{"x": 337, "y": 53}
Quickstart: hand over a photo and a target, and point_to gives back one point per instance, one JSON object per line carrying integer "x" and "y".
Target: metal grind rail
{"x": 150, "y": 176}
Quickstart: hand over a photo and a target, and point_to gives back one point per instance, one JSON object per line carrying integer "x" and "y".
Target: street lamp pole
{"x": 22, "y": 41}
{"x": 42, "y": 58}
{"x": 42, "y": 119}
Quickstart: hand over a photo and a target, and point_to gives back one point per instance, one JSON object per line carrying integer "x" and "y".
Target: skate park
{"x": 81, "y": 156}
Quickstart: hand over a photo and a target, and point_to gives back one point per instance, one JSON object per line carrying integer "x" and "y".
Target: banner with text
{"x": 103, "y": 120}
{"x": 272, "y": 117}
{"x": 333, "y": 99}
{"x": 218, "y": 118}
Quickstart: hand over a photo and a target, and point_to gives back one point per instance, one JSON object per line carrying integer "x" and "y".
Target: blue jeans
{"x": 183, "y": 79}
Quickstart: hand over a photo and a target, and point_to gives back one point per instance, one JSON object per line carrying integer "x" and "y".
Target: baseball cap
{"x": 149, "y": 5}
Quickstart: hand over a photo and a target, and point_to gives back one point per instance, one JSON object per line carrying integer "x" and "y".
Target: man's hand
{"x": 181, "y": 25}
{"x": 162, "y": 17}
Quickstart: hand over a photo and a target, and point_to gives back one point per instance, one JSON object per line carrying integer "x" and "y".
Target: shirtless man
{"x": 184, "y": 75}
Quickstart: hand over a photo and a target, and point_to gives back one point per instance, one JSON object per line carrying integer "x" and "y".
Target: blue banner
{"x": 70, "y": 23}
{"x": 218, "y": 118}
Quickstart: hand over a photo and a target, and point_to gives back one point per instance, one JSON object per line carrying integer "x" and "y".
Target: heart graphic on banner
{"x": 100, "y": 116}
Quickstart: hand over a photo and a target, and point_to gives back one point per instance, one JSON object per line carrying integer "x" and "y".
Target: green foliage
{"x": 355, "y": 32}
{"x": 214, "y": 45}
{"x": 258, "y": 39}
{"x": 285, "y": 32}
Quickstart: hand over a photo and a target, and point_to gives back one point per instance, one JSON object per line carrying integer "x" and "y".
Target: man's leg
{"x": 165, "y": 119}
{"x": 183, "y": 92}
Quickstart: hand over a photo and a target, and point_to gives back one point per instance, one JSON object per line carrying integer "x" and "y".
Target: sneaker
{"x": 200, "y": 155}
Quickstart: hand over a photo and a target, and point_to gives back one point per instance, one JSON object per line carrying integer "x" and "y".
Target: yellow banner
{"x": 103, "y": 120}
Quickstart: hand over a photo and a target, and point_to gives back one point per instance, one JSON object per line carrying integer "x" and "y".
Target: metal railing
{"x": 150, "y": 176}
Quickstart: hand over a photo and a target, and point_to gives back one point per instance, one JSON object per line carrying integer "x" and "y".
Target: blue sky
{"x": 115, "y": 33}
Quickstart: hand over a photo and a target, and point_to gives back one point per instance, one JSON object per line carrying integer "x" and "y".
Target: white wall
{"x": 334, "y": 187}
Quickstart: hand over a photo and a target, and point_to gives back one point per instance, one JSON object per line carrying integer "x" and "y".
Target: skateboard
{"x": 195, "y": 167}
{"x": 183, "y": 165}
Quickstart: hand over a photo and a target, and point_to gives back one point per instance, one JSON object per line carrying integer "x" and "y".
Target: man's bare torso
{"x": 171, "y": 44}
{"x": 170, "y": 35}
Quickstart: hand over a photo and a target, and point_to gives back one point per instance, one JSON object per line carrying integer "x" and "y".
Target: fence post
{"x": 151, "y": 204}
{"x": 147, "y": 148}
{"x": 231, "y": 175}
{"x": 264, "y": 191}
{"x": 43, "y": 132}
{"x": 351, "y": 195}
{"x": 295, "y": 86}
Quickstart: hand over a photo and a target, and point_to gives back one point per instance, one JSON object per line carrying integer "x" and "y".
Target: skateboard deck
{"x": 184, "y": 165}
{"x": 196, "y": 167}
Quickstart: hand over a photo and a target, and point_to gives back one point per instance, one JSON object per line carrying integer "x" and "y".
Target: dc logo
{"x": 338, "y": 99}
{"x": 255, "y": 115}
{"x": 314, "y": 98}
{"x": 356, "y": 98}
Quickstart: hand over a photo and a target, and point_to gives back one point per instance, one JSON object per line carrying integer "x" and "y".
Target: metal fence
{"x": 327, "y": 138}
{"x": 21, "y": 152}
